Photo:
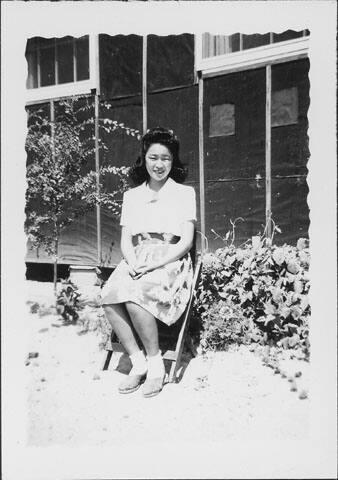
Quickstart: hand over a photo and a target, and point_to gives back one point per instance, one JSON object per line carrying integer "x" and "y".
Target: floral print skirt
{"x": 163, "y": 292}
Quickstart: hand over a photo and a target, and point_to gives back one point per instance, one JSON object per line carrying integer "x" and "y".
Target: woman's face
{"x": 159, "y": 162}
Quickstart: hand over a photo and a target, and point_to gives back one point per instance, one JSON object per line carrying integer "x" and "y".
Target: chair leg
{"x": 172, "y": 374}
{"x": 184, "y": 328}
{"x": 190, "y": 346}
{"x": 107, "y": 360}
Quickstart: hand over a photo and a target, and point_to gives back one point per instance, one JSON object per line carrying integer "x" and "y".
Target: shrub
{"x": 33, "y": 306}
{"x": 69, "y": 302}
{"x": 61, "y": 185}
{"x": 224, "y": 325}
{"x": 40, "y": 309}
{"x": 257, "y": 293}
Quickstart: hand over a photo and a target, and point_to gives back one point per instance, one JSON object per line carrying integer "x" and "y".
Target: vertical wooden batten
{"x": 74, "y": 61}
{"x": 144, "y": 83}
{"x": 97, "y": 169}
{"x": 52, "y": 121}
{"x": 95, "y": 65}
{"x": 56, "y": 60}
{"x": 38, "y": 58}
{"x": 201, "y": 156}
{"x": 268, "y": 151}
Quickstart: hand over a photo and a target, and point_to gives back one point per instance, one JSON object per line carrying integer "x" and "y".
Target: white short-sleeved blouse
{"x": 144, "y": 210}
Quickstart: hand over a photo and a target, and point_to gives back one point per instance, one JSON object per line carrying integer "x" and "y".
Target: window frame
{"x": 80, "y": 87}
{"x": 250, "y": 58}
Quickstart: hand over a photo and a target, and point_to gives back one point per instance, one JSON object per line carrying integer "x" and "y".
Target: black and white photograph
{"x": 169, "y": 240}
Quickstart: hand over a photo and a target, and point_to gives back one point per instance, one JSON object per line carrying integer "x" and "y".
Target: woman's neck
{"x": 156, "y": 185}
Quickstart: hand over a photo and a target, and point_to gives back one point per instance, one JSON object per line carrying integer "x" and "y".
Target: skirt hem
{"x": 145, "y": 308}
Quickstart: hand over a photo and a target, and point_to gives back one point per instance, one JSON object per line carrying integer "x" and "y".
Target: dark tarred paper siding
{"x": 234, "y": 164}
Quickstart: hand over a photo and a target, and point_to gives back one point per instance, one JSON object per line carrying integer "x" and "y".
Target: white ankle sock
{"x": 155, "y": 366}
{"x": 139, "y": 363}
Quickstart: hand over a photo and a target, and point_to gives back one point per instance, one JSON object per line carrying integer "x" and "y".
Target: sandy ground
{"x": 225, "y": 395}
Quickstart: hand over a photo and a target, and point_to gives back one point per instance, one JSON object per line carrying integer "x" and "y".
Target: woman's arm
{"x": 127, "y": 249}
{"x": 177, "y": 250}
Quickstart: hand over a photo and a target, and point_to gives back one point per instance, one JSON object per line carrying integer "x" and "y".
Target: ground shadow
{"x": 124, "y": 365}
{"x": 168, "y": 336}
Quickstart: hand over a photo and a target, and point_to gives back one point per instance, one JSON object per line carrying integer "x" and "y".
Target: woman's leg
{"x": 146, "y": 326}
{"x": 118, "y": 317}
{"x": 119, "y": 320}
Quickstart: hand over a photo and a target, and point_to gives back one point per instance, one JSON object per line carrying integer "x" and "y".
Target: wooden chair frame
{"x": 173, "y": 356}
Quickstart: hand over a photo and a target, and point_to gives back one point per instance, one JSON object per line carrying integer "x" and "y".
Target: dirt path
{"x": 222, "y": 396}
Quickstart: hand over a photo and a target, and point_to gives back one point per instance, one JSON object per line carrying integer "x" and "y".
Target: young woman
{"x": 153, "y": 281}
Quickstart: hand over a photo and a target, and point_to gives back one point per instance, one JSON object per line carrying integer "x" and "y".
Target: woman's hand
{"x": 128, "y": 251}
{"x": 131, "y": 269}
{"x": 141, "y": 270}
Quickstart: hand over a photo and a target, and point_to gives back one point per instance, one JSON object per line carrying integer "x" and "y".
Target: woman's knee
{"x": 136, "y": 311}
{"x": 112, "y": 307}
{"x": 107, "y": 309}
{"x": 115, "y": 312}
{"x": 139, "y": 315}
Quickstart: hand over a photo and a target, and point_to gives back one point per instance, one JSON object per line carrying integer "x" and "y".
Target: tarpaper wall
{"x": 290, "y": 209}
{"x": 178, "y": 109}
{"x": 123, "y": 150}
{"x": 120, "y": 65}
{"x": 174, "y": 108}
{"x": 170, "y": 61}
{"x": 235, "y": 164}
{"x": 78, "y": 241}
{"x": 234, "y": 141}
{"x": 289, "y": 156}
{"x": 77, "y": 246}
{"x": 289, "y": 143}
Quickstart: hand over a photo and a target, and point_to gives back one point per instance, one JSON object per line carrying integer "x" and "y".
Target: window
{"x": 284, "y": 107}
{"x": 219, "y": 44}
{"x": 57, "y": 61}
{"x": 214, "y": 45}
{"x": 220, "y": 54}
{"x": 222, "y": 120}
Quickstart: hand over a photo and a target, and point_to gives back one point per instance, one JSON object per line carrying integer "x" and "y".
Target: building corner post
{"x": 96, "y": 70}
{"x": 201, "y": 158}
{"x": 268, "y": 153}
{"x": 144, "y": 84}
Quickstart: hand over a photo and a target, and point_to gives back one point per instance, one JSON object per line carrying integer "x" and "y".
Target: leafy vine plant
{"x": 229, "y": 238}
{"x": 275, "y": 228}
{"x": 258, "y": 240}
{"x": 256, "y": 292}
{"x": 61, "y": 183}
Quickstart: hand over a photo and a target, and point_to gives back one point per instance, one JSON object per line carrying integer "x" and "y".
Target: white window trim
{"x": 81, "y": 87}
{"x": 250, "y": 58}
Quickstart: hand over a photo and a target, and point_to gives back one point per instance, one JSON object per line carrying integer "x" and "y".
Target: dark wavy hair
{"x": 138, "y": 173}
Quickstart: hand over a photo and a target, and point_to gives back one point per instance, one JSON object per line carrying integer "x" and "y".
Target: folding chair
{"x": 173, "y": 356}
